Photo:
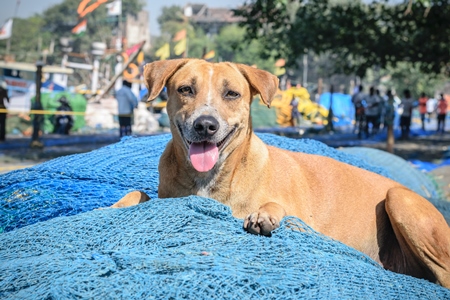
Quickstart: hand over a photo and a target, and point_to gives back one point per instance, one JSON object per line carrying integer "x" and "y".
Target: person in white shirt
{"x": 407, "y": 106}
{"x": 372, "y": 111}
{"x": 431, "y": 108}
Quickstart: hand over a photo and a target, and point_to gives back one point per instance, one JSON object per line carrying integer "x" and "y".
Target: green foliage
{"x": 61, "y": 18}
{"x": 27, "y": 39}
{"x": 231, "y": 44}
{"x": 361, "y": 35}
{"x": 32, "y": 35}
{"x": 171, "y": 14}
{"x": 408, "y": 76}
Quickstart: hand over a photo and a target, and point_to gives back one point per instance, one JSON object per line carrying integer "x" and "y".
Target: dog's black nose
{"x": 206, "y": 126}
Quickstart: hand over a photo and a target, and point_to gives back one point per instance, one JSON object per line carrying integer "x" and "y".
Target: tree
{"x": 27, "y": 39}
{"x": 362, "y": 35}
{"x": 36, "y": 33}
{"x": 171, "y": 14}
{"x": 231, "y": 45}
{"x": 61, "y": 18}
{"x": 407, "y": 76}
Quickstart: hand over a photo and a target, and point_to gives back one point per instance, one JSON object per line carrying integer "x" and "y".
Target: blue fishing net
{"x": 56, "y": 244}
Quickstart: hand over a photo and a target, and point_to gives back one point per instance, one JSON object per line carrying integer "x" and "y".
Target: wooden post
{"x": 330, "y": 126}
{"x": 37, "y": 118}
{"x": 390, "y": 139}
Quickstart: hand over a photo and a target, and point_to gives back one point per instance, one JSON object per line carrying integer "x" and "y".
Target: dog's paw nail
{"x": 275, "y": 223}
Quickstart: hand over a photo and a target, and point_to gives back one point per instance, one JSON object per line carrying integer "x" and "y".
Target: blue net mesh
{"x": 168, "y": 248}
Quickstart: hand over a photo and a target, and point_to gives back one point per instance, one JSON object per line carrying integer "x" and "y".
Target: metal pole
{"x": 8, "y": 46}
{"x": 95, "y": 76}
{"x": 8, "y": 42}
{"x": 120, "y": 31}
{"x": 305, "y": 70}
{"x": 37, "y": 119}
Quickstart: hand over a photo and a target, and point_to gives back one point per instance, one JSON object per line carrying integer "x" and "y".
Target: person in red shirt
{"x": 441, "y": 113}
{"x": 423, "y": 108}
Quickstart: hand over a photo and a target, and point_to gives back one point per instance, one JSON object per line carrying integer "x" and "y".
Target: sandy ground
{"x": 25, "y": 157}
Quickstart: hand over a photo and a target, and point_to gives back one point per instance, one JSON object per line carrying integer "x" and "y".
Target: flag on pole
{"x": 134, "y": 48}
{"x": 279, "y": 67}
{"x": 209, "y": 55}
{"x": 180, "y": 35}
{"x": 180, "y": 47}
{"x": 163, "y": 52}
{"x": 80, "y": 29}
{"x": 6, "y": 30}
{"x": 114, "y": 8}
{"x": 83, "y": 9}
{"x": 280, "y": 63}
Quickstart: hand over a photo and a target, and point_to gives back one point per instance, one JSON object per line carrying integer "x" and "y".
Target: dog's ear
{"x": 156, "y": 74}
{"x": 262, "y": 82}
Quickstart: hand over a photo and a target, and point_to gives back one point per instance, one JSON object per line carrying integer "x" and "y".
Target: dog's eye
{"x": 185, "y": 90}
{"x": 231, "y": 95}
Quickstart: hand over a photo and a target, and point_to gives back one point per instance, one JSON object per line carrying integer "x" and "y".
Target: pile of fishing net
{"x": 55, "y": 243}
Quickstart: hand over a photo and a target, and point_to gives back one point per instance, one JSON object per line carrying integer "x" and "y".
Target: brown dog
{"x": 214, "y": 153}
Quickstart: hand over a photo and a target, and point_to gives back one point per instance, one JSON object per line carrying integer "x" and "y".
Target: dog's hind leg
{"x": 131, "y": 199}
{"x": 423, "y": 235}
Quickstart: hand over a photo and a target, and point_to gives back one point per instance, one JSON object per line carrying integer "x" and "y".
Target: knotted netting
{"x": 56, "y": 244}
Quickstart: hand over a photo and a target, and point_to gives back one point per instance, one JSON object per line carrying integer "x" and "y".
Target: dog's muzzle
{"x": 204, "y": 141}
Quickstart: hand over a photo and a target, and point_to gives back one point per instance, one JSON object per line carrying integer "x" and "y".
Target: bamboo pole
{"x": 113, "y": 80}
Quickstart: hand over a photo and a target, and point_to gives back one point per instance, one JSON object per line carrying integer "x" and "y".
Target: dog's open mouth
{"x": 205, "y": 154}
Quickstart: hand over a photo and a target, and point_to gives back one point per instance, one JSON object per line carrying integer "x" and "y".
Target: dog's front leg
{"x": 265, "y": 220}
{"x": 131, "y": 199}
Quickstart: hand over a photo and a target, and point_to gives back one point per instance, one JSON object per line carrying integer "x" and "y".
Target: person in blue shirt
{"x": 127, "y": 103}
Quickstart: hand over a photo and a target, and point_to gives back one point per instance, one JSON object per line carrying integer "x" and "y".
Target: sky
{"x": 28, "y": 8}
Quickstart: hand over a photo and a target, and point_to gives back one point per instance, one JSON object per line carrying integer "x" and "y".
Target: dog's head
{"x": 209, "y": 104}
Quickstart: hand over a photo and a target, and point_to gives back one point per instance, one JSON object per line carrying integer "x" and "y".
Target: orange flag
{"x": 280, "y": 63}
{"x": 209, "y": 55}
{"x": 179, "y": 35}
{"x": 83, "y": 9}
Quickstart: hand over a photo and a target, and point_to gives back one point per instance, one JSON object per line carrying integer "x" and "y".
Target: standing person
{"x": 407, "y": 105}
{"x": 441, "y": 113}
{"x": 3, "y": 98}
{"x": 127, "y": 103}
{"x": 295, "y": 114}
{"x": 380, "y": 111}
{"x": 431, "y": 108}
{"x": 372, "y": 111}
{"x": 358, "y": 100}
{"x": 423, "y": 108}
{"x": 389, "y": 116}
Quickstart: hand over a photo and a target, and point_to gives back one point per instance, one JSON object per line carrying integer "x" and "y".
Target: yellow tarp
{"x": 311, "y": 111}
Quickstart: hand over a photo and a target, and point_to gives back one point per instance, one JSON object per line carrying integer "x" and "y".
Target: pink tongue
{"x": 203, "y": 156}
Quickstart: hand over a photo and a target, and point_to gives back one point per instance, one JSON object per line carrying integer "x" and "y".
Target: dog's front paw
{"x": 261, "y": 223}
